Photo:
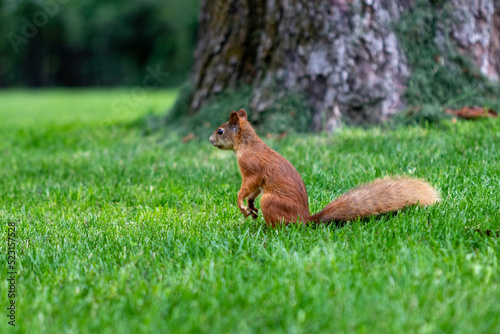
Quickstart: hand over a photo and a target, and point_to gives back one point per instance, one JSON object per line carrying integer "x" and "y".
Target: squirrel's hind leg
{"x": 277, "y": 211}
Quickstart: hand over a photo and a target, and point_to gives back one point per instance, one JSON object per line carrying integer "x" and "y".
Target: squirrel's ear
{"x": 234, "y": 119}
{"x": 243, "y": 114}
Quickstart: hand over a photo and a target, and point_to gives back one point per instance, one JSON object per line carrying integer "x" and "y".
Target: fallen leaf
{"x": 283, "y": 135}
{"x": 188, "y": 138}
{"x": 472, "y": 112}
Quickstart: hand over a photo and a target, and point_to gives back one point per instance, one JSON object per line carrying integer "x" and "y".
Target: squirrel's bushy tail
{"x": 383, "y": 195}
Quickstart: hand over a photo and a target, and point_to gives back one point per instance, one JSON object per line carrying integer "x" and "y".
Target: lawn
{"x": 120, "y": 230}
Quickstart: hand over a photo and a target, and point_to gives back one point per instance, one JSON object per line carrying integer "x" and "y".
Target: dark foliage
{"x": 95, "y": 42}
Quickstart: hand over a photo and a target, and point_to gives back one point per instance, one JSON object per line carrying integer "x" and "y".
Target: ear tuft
{"x": 243, "y": 114}
{"x": 234, "y": 119}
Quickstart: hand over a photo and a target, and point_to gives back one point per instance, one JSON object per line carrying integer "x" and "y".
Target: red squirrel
{"x": 284, "y": 198}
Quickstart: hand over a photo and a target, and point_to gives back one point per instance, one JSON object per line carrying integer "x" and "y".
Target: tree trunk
{"x": 476, "y": 32}
{"x": 341, "y": 54}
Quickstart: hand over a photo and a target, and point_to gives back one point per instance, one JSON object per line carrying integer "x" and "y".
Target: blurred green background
{"x": 95, "y": 42}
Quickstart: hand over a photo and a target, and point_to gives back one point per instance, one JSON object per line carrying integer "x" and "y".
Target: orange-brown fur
{"x": 284, "y": 198}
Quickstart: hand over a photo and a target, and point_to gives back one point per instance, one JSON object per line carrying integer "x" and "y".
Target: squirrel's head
{"x": 226, "y": 135}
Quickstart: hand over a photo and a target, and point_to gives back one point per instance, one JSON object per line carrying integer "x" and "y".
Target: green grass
{"x": 121, "y": 232}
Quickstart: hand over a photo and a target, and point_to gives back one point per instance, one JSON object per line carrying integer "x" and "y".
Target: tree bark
{"x": 341, "y": 54}
{"x": 476, "y": 33}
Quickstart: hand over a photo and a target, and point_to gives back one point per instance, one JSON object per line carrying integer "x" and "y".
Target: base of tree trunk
{"x": 343, "y": 56}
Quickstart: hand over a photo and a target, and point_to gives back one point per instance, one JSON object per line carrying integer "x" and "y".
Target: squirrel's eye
{"x": 220, "y": 131}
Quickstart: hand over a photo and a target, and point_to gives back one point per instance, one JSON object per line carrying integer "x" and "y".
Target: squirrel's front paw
{"x": 254, "y": 214}
{"x": 245, "y": 210}
{"x": 253, "y": 210}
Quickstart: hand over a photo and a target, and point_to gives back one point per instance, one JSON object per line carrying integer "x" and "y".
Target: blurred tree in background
{"x": 95, "y": 42}
{"x": 353, "y": 61}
